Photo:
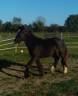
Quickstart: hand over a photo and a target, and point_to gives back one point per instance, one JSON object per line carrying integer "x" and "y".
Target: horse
{"x": 40, "y": 48}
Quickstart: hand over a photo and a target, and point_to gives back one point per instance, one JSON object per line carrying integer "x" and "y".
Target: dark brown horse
{"x": 40, "y": 48}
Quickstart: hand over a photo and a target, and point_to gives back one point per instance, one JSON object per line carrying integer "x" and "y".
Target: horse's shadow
{"x": 6, "y": 65}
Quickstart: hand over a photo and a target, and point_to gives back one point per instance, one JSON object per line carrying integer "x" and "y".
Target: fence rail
{"x": 69, "y": 44}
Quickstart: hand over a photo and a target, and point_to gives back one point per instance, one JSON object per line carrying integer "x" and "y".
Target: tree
{"x": 54, "y": 28}
{"x": 7, "y": 26}
{"x": 1, "y": 22}
{"x": 71, "y": 23}
{"x": 17, "y": 20}
{"x": 15, "y": 27}
{"x": 39, "y": 24}
{"x": 30, "y": 27}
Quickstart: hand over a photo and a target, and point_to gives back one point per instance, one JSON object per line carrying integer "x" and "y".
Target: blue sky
{"x": 54, "y": 11}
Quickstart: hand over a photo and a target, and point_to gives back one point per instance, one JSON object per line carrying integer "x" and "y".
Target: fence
{"x": 70, "y": 39}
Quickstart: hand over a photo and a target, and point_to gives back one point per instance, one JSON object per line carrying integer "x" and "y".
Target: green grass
{"x": 57, "y": 84}
{"x": 66, "y": 88}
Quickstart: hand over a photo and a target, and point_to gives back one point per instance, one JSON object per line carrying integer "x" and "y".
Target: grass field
{"x": 12, "y": 82}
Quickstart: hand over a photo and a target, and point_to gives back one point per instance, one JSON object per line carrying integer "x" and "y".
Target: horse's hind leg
{"x": 40, "y": 67}
{"x": 56, "y": 59}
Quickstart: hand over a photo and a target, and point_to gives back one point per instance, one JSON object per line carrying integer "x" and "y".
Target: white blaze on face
{"x": 65, "y": 70}
{"x": 52, "y": 69}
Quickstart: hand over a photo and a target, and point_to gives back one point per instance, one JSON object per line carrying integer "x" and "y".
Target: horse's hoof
{"x": 26, "y": 75}
{"x": 52, "y": 69}
{"x": 65, "y": 70}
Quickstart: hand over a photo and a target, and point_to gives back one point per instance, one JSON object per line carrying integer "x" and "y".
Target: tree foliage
{"x": 54, "y": 27}
{"x": 71, "y": 23}
{"x": 17, "y": 20}
{"x": 39, "y": 24}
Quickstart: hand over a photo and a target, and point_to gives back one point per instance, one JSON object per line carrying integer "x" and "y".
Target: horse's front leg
{"x": 40, "y": 67}
{"x": 26, "y": 72}
{"x": 53, "y": 68}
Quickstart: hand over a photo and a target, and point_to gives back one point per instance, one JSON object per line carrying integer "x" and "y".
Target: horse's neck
{"x": 30, "y": 41}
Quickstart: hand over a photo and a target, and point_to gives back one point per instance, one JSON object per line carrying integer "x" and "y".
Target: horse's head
{"x": 22, "y": 33}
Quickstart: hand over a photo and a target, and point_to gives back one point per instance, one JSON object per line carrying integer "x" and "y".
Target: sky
{"x": 54, "y": 11}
